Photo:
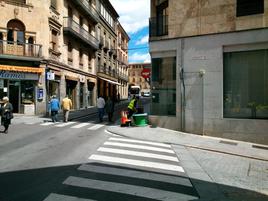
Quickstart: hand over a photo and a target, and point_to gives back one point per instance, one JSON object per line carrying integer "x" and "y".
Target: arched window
{"x": 16, "y": 31}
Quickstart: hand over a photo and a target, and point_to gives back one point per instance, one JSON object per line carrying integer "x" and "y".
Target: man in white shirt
{"x": 100, "y": 106}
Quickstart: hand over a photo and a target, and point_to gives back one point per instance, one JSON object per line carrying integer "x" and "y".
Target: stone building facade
{"x": 209, "y": 67}
{"x": 52, "y": 47}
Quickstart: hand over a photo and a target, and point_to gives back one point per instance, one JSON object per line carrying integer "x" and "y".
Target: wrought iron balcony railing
{"x": 20, "y": 49}
{"x": 72, "y": 27}
{"x": 90, "y": 11}
{"x": 158, "y": 26}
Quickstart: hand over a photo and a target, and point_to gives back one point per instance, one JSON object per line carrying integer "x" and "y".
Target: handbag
{"x": 9, "y": 115}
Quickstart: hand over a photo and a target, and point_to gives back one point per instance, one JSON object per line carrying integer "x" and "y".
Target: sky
{"x": 134, "y": 17}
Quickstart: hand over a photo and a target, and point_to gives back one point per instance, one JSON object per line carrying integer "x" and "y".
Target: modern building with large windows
{"x": 210, "y": 67}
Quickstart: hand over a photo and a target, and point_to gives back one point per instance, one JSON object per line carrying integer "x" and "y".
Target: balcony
{"x": 105, "y": 70}
{"x": 84, "y": 6}
{"x": 16, "y": 50}
{"x": 158, "y": 26}
{"x": 74, "y": 29}
{"x": 123, "y": 76}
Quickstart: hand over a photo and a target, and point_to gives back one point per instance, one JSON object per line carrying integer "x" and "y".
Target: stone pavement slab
{"x": 221, "y": 145}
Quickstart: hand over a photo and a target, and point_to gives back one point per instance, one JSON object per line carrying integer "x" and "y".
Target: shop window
{"x": 249, "y": 7}
{"x": 163, "y": 100}
{"x": 3, "y": 88}
{"x": 27, "y": 92}
{"x": 246, "y": 84}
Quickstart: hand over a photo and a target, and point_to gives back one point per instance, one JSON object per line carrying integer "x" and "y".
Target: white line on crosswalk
{"x": 65, "y": 124}
{"x": 80, "y": 125}
{"x": 59, "y": 197}
{"x": 138, "y": 153}
{"x": 47, "y": 123}
{"x": 141, "y": 142}
{"x": 95, "y": 127}
{"x": 139, "y": 147}
{"x": 140, "y": 163}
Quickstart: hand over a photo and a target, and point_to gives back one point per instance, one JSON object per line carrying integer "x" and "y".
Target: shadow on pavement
{"x": 95, "y": 181}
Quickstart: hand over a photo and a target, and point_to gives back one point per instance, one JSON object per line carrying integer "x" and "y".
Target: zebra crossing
{"x": 127, "y": 169}
{"x": 70, "y": 124}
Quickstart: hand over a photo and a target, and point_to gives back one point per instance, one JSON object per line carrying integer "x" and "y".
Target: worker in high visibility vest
{"x": 132, "y": 106}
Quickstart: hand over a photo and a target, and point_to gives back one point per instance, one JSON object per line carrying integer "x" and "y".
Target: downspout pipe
{"x": 183, "y": 102}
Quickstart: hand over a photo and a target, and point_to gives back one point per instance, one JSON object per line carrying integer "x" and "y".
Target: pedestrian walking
{"x": 54, "y": 107}
{"x": 100, "y": 106}
{"x": 109, "y": 107}
{"x": 132, "y": 107}
{"x": 6, "y": 114}
{"x": 66, "y": 106}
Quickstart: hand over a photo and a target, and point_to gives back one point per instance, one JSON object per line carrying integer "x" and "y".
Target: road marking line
{"x": 59, "y": 197}
{"x": 140, "y": 141}
{"x": 137, "y": 153}
{"x": 96, "y": 127}
{"x": 140, "y": 163}
{"x": 80, "y": 125}
{"x": 139, "y": 147}
{"x": 47, "y": 123}
{"x": 65, "y": 124}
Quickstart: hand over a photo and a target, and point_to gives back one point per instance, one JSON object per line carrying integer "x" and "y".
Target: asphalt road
{"x": 80, "y": 161}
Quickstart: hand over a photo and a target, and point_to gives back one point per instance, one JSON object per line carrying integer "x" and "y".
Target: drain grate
{"x": 228, "y": 142}
{"x": 259, "y": 147}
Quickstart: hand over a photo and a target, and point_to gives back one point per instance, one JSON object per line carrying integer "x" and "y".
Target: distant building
{"x": 136, "y": 78}
{"x": 209, "y": 67}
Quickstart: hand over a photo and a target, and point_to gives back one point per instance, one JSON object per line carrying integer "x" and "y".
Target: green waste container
{"x": 140, "y": 119}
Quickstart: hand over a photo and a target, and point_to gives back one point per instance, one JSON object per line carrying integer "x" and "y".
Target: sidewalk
{"x": 238, "y": 148}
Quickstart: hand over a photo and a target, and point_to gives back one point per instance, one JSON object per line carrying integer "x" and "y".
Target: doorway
{"x": 14, "y": 98}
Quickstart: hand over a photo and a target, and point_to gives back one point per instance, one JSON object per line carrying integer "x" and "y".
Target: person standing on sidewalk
{"x": 100, "y": 106}
{"x": 109, "y": 107}
{"x": 66, "y": 105}
{"x": 54, "y": 107}
{"x": 6, "y": 113}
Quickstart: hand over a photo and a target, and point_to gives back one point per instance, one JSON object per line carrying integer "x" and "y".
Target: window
{"x": 80, "y": 58}
{"x": 53, "y": 4}
{"x": 249, "y": 7}
{"x": 70, "y": 53}
{"x": 16, "y": 31}
{"x": 81, "y": 21}
{"x": 246, "y": 84}
{"x": 163, "y": 101}
{"x": 70, "y": 12}
{"x": 16, "y": 2}
{"x": 54, "y": 40}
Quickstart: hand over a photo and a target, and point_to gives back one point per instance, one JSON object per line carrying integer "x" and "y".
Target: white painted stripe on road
{"x": 65, "y": 124}
{"x": 138, "y": 153}
{"x": 137, "y": 191}
{"x": 96, "y": 127}
{"x": 139, "y": 147}
{"x": 81, "y": 125}
{"x": 140, "y": 142}
{"x": 58, "y": 197}
{"x": 133, "y": 162}
{"x": 31, "y": 123}
{"x": 47, "y": 123}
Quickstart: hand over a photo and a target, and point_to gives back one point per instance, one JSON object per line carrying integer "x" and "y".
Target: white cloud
{"x": 143, "y": 40}
{"x": 134, "y": 14}
{"x": 140, "y": 58}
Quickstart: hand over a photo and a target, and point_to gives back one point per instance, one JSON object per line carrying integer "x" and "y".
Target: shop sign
{"x": 40, "y": 94}
{"x": 17, "y": 75}
{"x": 50, "y": 76}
